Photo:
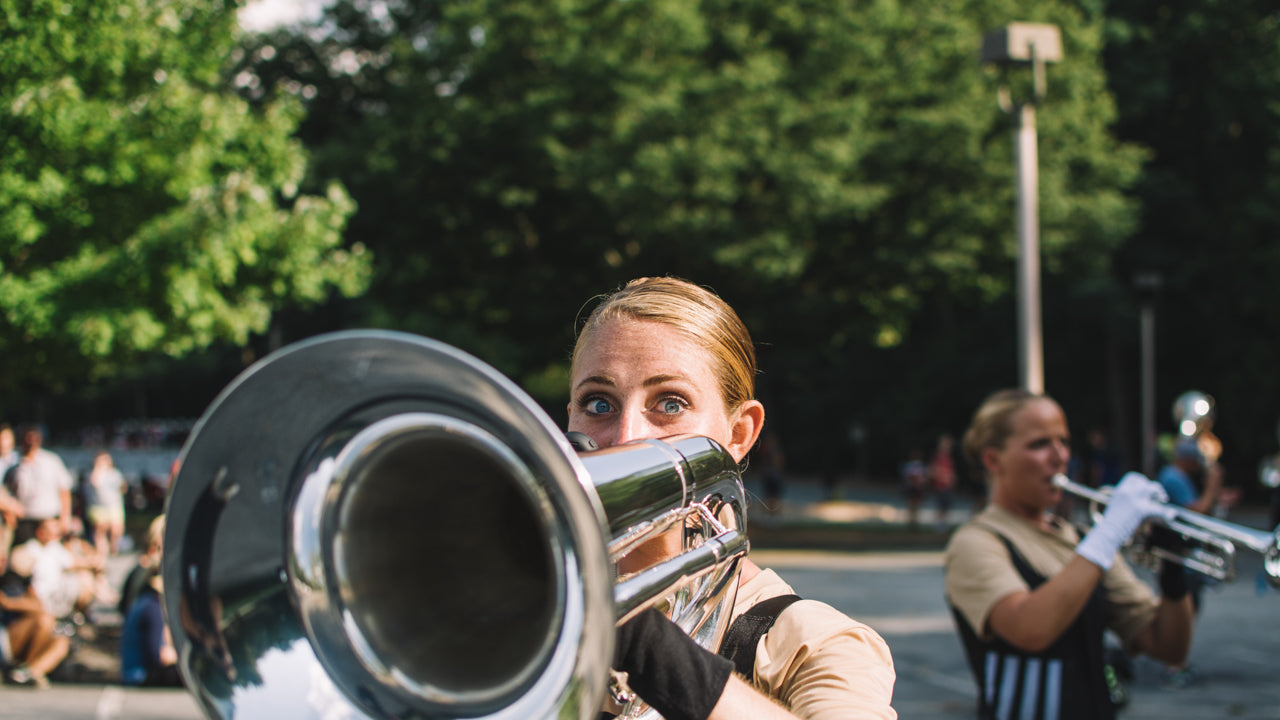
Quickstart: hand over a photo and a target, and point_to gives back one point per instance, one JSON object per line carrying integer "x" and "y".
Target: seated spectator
{"x": 147, "y": 655}
{"x": 148, "y": 564}
{"x": 64, "y": 581}
{"x": 92, "y": 561}
{"x": 31, "y": 648}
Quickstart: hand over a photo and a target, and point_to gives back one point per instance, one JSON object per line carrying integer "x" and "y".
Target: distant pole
{"x": 1148, "y": 286}
{"x": 1034, "y": 45}
{"x": 1148, "y": 338}
{"x": 1031, "y": 347}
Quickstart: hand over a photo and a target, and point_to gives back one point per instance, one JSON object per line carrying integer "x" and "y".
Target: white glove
{"x": 1135, "y": 499}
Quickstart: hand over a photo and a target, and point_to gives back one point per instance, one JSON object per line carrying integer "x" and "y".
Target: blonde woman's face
{"x": 641, "y": 379}
{"x": 1038, "y": 449}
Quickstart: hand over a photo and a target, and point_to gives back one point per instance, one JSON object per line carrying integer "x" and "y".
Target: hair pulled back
{"x": 695, "y": 312}
{"x": 992, "y": 424}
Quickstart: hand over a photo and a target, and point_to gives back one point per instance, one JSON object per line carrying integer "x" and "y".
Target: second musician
{"x": 1032, "y": 599}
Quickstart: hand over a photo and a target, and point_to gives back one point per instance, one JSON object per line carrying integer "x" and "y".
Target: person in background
{"x": 1193, "y": 482}
{"x": 41, "y": 482}
{"x": 774, "y": 467}
{"x": 8, "y": 449}
{"x": 147, "y": 655}
{"x": 35, "y": 648}
{"x": 1031, "y": 599}
{"x": 942, "y": 473}
{"x": 10, "y": 508}
{"x": 1190, "y": 479}
{"x": 105, "y": 503}
{"x": 148, "y": 565}
{"x": 65, "y": 581}
{"x": 664, "y": 357}
{"x": 915, "y": 480}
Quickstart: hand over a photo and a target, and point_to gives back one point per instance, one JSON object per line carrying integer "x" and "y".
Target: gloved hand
{"x": 1135, "y": 499}
{"x": 1173, "y": 576}
{"x": 668, "y": 670}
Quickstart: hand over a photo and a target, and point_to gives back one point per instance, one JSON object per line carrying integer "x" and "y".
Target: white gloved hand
{"x": 1135, "y": 499}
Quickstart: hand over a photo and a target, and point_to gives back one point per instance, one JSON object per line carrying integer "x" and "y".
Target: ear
{"x": 990, "y": 460}
{"x": 745, "y": 429}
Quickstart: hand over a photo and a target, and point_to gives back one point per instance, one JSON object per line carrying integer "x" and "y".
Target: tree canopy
{"x": 145, "y": 208}
{"x": 840, "y": 172}
{"x": 845, "y": 164}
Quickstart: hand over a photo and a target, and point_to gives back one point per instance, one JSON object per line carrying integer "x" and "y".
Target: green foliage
{"x": 144, "y": 206}
{"x": 1199, "y": 84}
{"x": 845, "y": 163}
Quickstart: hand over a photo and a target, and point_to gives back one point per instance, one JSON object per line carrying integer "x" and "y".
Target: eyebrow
{"x": 610, "y": 382}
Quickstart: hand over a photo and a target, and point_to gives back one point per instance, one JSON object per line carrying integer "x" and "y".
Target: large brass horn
{"x": 1198, "y": 542}
{"x": 375, "y": 524}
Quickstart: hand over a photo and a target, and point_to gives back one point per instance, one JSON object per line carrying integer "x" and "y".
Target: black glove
{"x": 668, "y": 670}
{"x": 1173, "y": 576}
{"x": 1173, "y": 580}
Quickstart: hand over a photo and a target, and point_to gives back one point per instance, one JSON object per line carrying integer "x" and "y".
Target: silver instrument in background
{"x": 1269, "y": 472}
{"x": 1194, "y": 413}
{"x": 1201, "y": 543}
{"x": 1269, "y": 468}
{"x": 375, "y": 524}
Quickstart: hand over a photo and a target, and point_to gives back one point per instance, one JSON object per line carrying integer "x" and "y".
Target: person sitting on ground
{"x": 147, "y": 655}
{"x": 148, "y": 564}
{"x": 64, "y": 582}
{"x": 34, "y": 648}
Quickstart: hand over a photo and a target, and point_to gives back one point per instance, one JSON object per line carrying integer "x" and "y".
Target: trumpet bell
{"x": 374, "y": 524}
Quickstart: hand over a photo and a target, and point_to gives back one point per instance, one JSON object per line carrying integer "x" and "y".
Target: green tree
{"x": 145, "y": 208}
{"x": 850, "y": 157}
{"x": 841, "y": 172}
{"x": 1199, "y": 84}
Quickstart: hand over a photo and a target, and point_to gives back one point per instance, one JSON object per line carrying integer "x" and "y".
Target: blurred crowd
{"x": 58, "y": 529}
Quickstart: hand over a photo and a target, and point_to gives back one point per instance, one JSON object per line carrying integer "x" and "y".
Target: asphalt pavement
{"x": 853, "y": 549}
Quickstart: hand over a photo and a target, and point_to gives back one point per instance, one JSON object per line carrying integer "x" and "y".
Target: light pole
{"x": 1148, "y": 286}
{"x": 1035, "y": 45}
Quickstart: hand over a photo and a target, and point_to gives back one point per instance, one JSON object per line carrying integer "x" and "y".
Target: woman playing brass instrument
{"x": 663, "y": 357}
{"x": 1031, "y": 599}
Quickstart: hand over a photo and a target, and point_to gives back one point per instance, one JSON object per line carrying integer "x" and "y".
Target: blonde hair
{"x": 992, "y": 424}
{"x": 155, "y": 532}
{"x": 694, "y": 311}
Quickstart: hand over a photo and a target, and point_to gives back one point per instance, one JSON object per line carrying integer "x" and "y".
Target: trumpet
{"x": 1195, "y": 541}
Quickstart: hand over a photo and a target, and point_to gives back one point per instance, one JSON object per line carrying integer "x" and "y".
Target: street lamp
{"x": 1031, "y": 44}
{"x": 1148, "y": 283}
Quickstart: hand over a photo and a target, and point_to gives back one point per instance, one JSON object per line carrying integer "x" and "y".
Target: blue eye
{"x": 597, "y": 406}
{"x": 671, "y": 406}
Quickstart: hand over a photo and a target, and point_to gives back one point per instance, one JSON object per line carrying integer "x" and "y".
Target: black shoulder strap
{"x": 744, "y": 634}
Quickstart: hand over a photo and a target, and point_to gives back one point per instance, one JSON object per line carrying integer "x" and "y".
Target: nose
{"x": 1062, "y": 453}
{"x": 631, "y": 426}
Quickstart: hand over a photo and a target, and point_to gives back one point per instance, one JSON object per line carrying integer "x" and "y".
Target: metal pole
{"x": 1031, "y": 352}
{"x": 1147, "y": 329}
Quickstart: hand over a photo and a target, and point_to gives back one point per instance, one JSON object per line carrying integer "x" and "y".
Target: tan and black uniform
{"x": 998, "y": 553}
{"x": 817, "y": 661}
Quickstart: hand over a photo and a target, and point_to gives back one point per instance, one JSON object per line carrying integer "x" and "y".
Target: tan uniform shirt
{"x": 979, "y": 572}
{"x": 818, "y": 662}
